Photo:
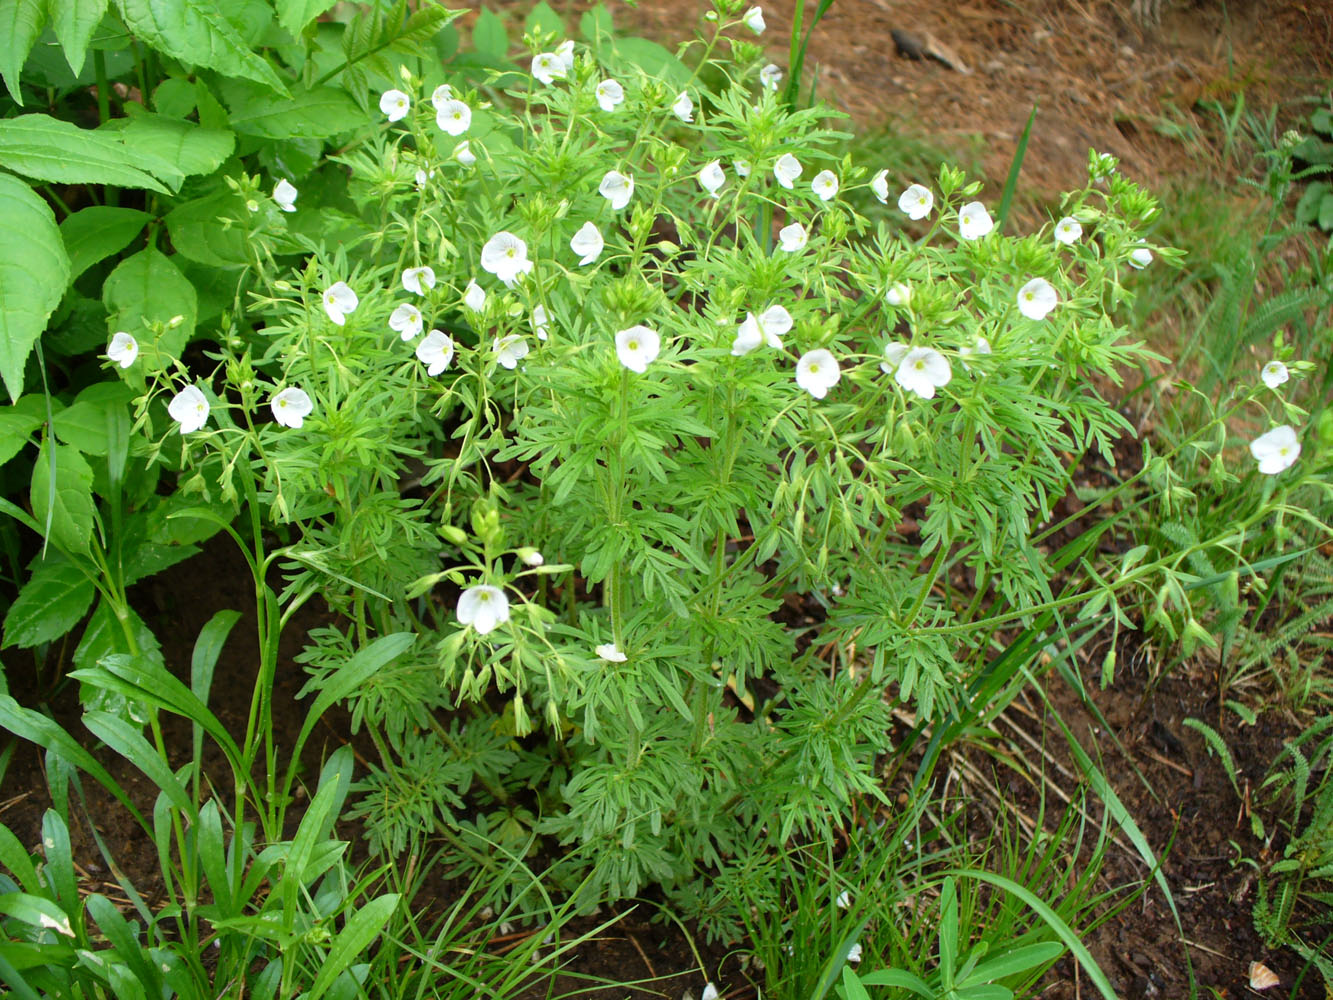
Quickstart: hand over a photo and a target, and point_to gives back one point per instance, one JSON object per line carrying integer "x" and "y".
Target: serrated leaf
{"x": 74, "y": 22}
{"x": 21, "y": 21}
{"x": 197, "y": 231}
{"x": 148, "y": 288}
{"x": 63, "y": 496}
{"x": 40, "y": 147}
{"x": 308, "y": 114}
{"x": 172, "y": 149}
{"x": 87, "y": 423}
{"x": 34, "y": 272}
{"x": 294, "y": 15}
{"x": 196, "y": 32}
{"x": 16, "y": 427}
{"x": 95, "y": 233}
{"x": 53, "y": 601}
{"x": 543, "y": 18}
{"x": 488, "y": 35}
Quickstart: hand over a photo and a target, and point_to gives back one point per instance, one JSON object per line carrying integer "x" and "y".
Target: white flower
{"x": 610, "y": 94}
{"x": 548, "y": 67}
{"x": 1276, "y": 450}
{"x": 284, "y": 193}
{"x": 916, "y": 202}
{"x": 539, "y": 322}
{"x": 854, "y": 955}
{"x": 506, "y": 257}
{"x": 617, "y": 188}
{"x": 1037, "y": 298}
{"x": 435, "y": 351}
{"x": 189, "y": 409}
{"x": 922, "y": 371}
{"x": 792, "y": 238}
{"x": 395, "y": 104}
{"x": 123, "y": 349}
{"x": 565, "y": 53}
{"x": 419, "y": 280}
{"x": 530, "y": 556}
{"x": 441, "y": 96}
{"x": 1068, "y": 230}
{"x": 1274, "y": 373}
{"x": 474, "y": 297}
{"x": 879, "y": 184}
{"x": 787, "y": 170}
{"x": 463, "y": 153}
{"x": 769, "y": 327}
{"x": 974, "y": 221}
{"x": 423, "y": 178}
{"x": 509, "y": 350}
{"x": 453, "y": 116}
{"x": 754, "y": 20}
{"x": 587, "y": 243}
{"x": 825, "y": 185}
{"x": 610, "y": 652}
{"x": 483, "y": 607}
{"x": 770, "y": 76}
{"x": 339, "y": 300}
{"x": 712, "y": 177}
{"x": 710, "y": 991}
{"x": 899, "y": 295}
{"x": 1140, "y": 257}
{"x": 742, "y": 167}
{"x": 684, "y": 107}
{"x": 979, "y": 345}
{"x": 291, "y": 406}
{"x": 844, "y": 899}
{"x": 894, "y": 353}
{"x": 817, "y": 372}
{"x": 406, "y": 319}
{"x": 637, "y": 346}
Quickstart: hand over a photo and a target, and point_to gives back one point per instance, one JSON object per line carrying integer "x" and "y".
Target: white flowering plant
{"x": 686, "y": 444}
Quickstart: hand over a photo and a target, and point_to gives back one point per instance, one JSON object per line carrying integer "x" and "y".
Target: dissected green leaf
{"x": 309, "y": 114}
{"x": 74, "y": 22}
{"x": 34, "y": 272}
{"x": 98, "y": 231}
{"x": 146, "y": 289}
{"x": 55, "y": 598}
{"x": 196, "y": 32}
{"x": 63, "y": 496}
{"x": 45, "y": 149}
{"x": 21, "y": 21}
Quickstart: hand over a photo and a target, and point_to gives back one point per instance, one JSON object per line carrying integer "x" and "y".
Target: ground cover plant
{"x": 556, "y": 379}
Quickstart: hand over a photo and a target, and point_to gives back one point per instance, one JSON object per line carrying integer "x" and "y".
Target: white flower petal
{"x": 792, "y": 238}
{"x": 395, "y": 105}
{"x": 435, "y": 351}
{"x": 617, "y": 188}
{"x": 123, "y": 349}
{"x": 1274, "y": 373}
{"x": 683, "y": 108}
{"x": 1277, "y": 450}
{"x": 879, "y": 184}
{"x": 291, "y": 406}
{"x": 1068, "y": 230}
{"x": 754, "y": 20}
{"x": 916, "y": 202}
{"x": 509, "y": 350}
{"x": 339, "y": 300}
{"x": 825, "y": 185}
{"x": 610, "y": 94}
{"x": 407, "y": 320}
{"x": 787, "y": 170}
{"x": 922, "y": 371}
{"x": 817, "y": 372}
{"x": 453, "y": 116}
{"x": 610, "y": 652}
{"x": 637, "y": 347}
{"x": 974, "y": 221}
{"x": 1140, "y": 257}
{"x": 189, "y": 409}
{"x": 1037, "y": 298}
{"x": 587, "y": 243}
{"x": 712, "y": 177}
{"x": 506, "y": 257}
{"x": 483, "y": 607}
{"x": 770, "y": 76}
{"x": 284, "y": 193}
{"x": 474, "y": 297}
{"x": 419, "y": 280}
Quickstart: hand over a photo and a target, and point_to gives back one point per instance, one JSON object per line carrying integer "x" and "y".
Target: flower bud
{"x": 174, "y": 322}
{"x": 452, "y": 534}
{"x": 530, "y": 556}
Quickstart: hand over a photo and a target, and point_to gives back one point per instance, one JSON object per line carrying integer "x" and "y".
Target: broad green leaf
{"x": 543, "y": 18}
{"x": 52, "y": 602}
{"x": 86, "y": 423}
{"x": 195, "y": 31}
{"x": 63, "y": 497}
{"x": 199, "y": 234}
{"x": 105, "y": 635}
{"x": 74, "y": 21}
{"x": 36, "y": 911}
{"x": 1325, "y": 217}
{"x": 307, "y": 114}
{"x": 294, "y": 15}
{"x": 95, "y": 233}
{"x": 652, "y": 58}
{"x": 21, "y": 21}
{"x": 488, "y": 36}
{"x": 16, "y": 426}
{"x": 174, "y": 97}
{"x": 45, "y": 149}
{"x": 595, "y": 25}
{"x": 34, "y": 272}
{"x": 171, "y": 149}
{"x": 126, "y": 740}
{"x": 361, "y": 929}
{"x": 146, "y": 289}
